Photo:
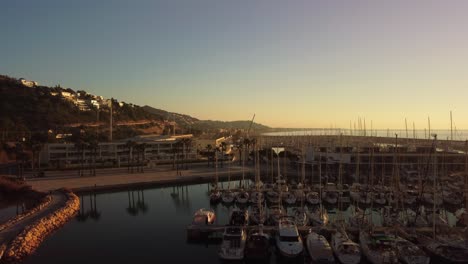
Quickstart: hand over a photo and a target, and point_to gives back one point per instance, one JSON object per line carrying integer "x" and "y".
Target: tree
{"x": 130, "y": 145}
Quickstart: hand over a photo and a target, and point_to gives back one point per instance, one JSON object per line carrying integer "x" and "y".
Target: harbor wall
{"x": 32, "y": 236}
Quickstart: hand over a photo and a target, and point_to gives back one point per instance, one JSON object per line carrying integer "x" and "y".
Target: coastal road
{"x": 121, "y": 176}
{"x": 58, "y": 200}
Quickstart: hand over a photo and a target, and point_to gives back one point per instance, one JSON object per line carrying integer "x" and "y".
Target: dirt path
{"x": 58, "y": 200}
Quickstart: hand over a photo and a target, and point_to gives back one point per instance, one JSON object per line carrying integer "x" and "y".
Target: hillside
{"x": 181, "y": 119}
{"x": 189, "y": 123}
{"x": 26, "y": 106}
{"x": 41, "y": 108}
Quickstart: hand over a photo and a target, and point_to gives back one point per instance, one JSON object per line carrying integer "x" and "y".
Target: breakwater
{"x": 32, "y": 235}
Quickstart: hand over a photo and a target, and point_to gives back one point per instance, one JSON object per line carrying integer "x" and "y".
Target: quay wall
{"x": 42, "y": 204}
{"x": 32, "y": 236}
{"x": 181, "y": 180}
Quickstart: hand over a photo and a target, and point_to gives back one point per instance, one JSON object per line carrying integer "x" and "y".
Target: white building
{"x": 28, "y": 83}
{"x": 117, "y": 153}
{"x": 82, "y": 105}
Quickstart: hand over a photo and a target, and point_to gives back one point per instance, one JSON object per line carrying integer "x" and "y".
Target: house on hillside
{"x": 82, "y": 105}
{"x": 28, "y": 83}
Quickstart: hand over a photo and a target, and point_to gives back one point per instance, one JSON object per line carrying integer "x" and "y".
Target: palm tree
{"x": 223, "y": 151}
{"x": 93, "y": 146}
{"x": 140, "y": 150}
{"x": 209, "y": 149}
{"x": 130, "y": 145}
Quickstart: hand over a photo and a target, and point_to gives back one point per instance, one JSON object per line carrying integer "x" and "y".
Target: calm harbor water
{"x": 144, "y": 226}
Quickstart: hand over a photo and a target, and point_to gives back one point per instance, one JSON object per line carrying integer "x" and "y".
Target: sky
{"x": 299, "y": 63}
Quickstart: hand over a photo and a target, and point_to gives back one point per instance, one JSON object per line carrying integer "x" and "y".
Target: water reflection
{"x": 88, "y": 212}
{"x": 136, "y": 202}
{"x": 146, "y": 226}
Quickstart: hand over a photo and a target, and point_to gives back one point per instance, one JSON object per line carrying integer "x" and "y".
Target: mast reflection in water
{"x": 142, "y": 226}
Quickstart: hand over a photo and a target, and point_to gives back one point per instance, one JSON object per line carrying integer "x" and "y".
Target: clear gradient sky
{"x": 299, "y": 63}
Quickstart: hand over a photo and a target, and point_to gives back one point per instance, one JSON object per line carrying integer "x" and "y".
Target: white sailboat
{"x": 346, "y": 251}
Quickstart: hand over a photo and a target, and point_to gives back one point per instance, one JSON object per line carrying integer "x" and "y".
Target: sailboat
{"x": 215, "y": 195}
{"x": 227, "y": 197}
{"x": 319, "y": 249}
{"x": 233, "y": 245}
{"x": 257, "y": 247}
{"x": 442, "y": 249}
{"x": 346, "y": 251}
{"x": 317, "y": 215}
{"x": 409, "y": 253}
{"x": 242, "y": 196}
{"x": 378, "y": 246}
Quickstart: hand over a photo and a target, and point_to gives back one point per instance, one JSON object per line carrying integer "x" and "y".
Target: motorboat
{"x": 204, "y": 217}
{"x": 319, "y": 249}
{"x": 288, "y": 240}
{"x": 233, "y": 244}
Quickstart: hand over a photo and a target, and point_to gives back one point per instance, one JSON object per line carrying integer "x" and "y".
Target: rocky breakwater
{"x": 32, "y": 236}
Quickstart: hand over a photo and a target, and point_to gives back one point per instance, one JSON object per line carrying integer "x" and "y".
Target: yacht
{"x": 233, "y": 245}
{"x": 288, "y": 240}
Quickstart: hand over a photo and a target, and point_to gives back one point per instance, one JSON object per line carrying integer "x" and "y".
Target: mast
{"x": 434, "y": 164}
{"x": 451, "y": 128}
{"x": 406, "y": 126}
{"x": 372, "y": 185}
{"x": 243, "y": 167}
{"x": 357, "y": 163}
{"x": 429, "y": 125}
{"x": 466, "y": 175}
{"x": 216, "y": 170}
{"x": 340, "y": 184}
{"x": 110, "y": 120}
